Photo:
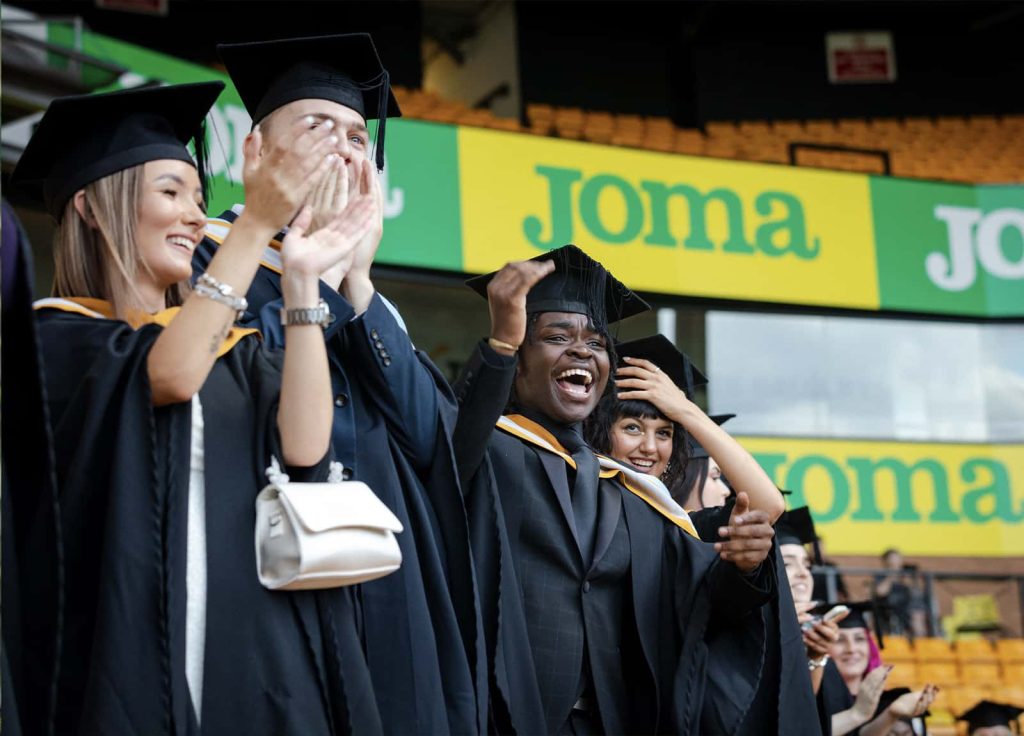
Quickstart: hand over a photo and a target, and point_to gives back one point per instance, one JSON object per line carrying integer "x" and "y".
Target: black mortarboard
{"x": 795, "y": 527}
{"x": 579, "y": 284}
{"x": 659, "y": 350}
{"x": 889, "y": 697}
{"x": 85, "y": 137}
{"x": 341, "y": 68}
{"x": 697, "y": 450}
{"x": 855, "y": 619}
{"x": 988, "y": 713}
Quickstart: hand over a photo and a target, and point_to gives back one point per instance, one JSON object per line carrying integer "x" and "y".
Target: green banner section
{"x": 949, "y": 248}
{"x": 468, "y": 199}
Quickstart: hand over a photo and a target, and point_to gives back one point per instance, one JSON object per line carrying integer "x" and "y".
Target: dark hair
{"x": 611, "y": 409}
{"x": 695, "y": 476}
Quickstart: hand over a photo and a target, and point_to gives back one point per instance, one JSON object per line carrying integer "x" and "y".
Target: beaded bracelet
{"x": 209, "y": 287}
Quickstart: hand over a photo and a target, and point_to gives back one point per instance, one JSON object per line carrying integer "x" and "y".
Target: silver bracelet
{"x": 209, "y": 287}
{"x": 813, "y": 664}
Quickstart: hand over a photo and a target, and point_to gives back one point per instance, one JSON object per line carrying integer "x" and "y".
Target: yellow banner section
{"x": 670, "y": 224}
{"x": 926, "y": 499}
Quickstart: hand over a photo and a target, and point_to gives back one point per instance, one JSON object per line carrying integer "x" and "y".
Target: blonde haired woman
{"x": 164, "y": 420}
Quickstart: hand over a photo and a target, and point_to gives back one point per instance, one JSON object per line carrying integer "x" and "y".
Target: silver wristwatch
{"x": 318, "y": 315}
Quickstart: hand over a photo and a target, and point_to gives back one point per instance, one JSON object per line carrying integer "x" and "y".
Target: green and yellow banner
{"x": 467, "y": 199}
{"x": 925, "y": 498}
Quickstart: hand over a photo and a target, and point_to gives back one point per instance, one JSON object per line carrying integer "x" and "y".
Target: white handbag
{"x": 322, "y": 535}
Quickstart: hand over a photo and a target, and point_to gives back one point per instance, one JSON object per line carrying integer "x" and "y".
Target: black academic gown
{"x": 394, "y": 415}
{"x": 275, "y": 662}
{"x": 784, "y": 694}
{"x": 29, "y": 531}
{"x": 833, "y": 697}
{"x": 674, "y": 582}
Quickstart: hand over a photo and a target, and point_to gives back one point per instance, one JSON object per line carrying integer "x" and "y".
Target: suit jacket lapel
{"x": 609, "y": 509}
{"x": 555, "y": 467}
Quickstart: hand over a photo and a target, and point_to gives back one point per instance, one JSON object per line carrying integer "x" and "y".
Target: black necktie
{"x": 584, "y": 490}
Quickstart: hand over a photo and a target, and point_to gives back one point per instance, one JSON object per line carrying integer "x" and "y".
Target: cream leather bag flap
{"x": 322, "y": 535}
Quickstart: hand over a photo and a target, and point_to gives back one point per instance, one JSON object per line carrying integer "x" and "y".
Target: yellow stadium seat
{"x": 980, "y": 673}
{"x": 932, "y": 649}
{"x": 1010, "y": 650}
{"x": 897, "y": 649}
{"x": 942, "y": 674}
{"x": 964, "y": 698}
{"x": 975, "y": 650}
{"x": 1013, "y": 673}
{"x": 1010, "y": 693}
{"x": 904, "y": 674}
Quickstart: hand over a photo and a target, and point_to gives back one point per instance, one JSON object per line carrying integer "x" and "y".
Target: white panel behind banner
{"x": 865, "y": 57}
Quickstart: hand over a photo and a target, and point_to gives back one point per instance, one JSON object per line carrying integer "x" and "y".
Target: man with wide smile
{"x": 600, "y": 604}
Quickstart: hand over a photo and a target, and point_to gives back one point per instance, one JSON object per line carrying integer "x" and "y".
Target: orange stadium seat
{"x": 904, "y": 674}
{"x": 980, "y": 673}
{"x": 629, "y": 131}
{"x": 975, "y": 650}
{"x": 975, "y": 149}
{"x": 933, "y": 649}
{"x": 569, "y": 122}
{"x": 598, "y": 127}
{"x": 1010, "y": 650}
{"x": 1013, "y": 673}
{"x": 897, "y": 649}
{"x": 942, "y": 674}
{"x": 963, "y": 698}
{"x": 689, "y": 141}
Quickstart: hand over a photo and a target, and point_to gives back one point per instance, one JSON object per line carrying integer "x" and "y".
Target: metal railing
{"x": 928, "y": 580}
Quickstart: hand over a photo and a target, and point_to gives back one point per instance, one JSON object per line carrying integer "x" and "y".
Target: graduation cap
{"x": 988, "y": 713}
{"x": 659, "y": 350}
{"x": 85, "y": 137}
{"x": 697, "y": 450}
{"x": 855, "y": 619}
{"x": 889, "y": 697}
{"x": 579, "y": 284}
{"x": 341, "y": 68}
{"x": 796, "y": 526}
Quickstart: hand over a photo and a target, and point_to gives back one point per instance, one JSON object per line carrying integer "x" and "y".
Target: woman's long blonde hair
{"x": 101, "y": 259}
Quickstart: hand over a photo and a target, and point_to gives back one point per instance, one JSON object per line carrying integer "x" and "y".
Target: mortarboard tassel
{"x": 202, "y": 154}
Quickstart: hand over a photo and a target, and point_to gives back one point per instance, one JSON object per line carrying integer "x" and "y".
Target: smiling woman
{"x": 153, "y": 406}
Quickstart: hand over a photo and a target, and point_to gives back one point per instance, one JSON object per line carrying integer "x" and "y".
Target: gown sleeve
{"x": 265, "y": 367}
{"x": 114, "y": 489}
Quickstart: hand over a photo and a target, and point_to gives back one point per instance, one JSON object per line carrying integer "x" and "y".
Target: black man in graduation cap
{"x": 596, "y": 592}
{"x": 989, "y": 718}
{"x": 393, "y": 411}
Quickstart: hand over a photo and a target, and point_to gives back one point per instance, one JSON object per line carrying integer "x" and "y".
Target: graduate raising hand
{"x": 506, "y": 299}
{"x": 643, "y": 380}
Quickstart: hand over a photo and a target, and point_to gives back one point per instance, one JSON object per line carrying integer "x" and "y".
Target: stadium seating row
{"x": 978, "y": 149}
